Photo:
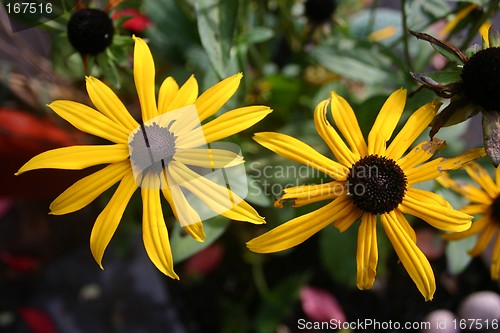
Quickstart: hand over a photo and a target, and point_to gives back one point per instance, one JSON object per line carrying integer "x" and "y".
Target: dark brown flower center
{"x": 90, "y": 31}
{"x": 376, "y": 184}
{"x": 320, "y": 11}
{"x": 152, "y": 148}
{"x": 495, "y": 210}
{"x": 481, "y": 78}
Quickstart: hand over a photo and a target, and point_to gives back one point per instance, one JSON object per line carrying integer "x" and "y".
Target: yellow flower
{"x": 484, "y": 201}
{"x": 154, "y": 155}
{"x": 369, "y": 181}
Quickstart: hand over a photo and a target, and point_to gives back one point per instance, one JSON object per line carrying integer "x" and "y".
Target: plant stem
{"x": 406, "y": 48}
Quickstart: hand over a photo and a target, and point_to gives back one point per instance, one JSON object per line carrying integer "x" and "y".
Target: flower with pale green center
{"x": 156, "y": 155}
{"x": 370, "y": 181}
{"x": 485, "y": 202}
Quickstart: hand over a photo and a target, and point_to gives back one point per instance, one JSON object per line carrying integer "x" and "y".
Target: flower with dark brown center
{"x": 481, "y": 78}
{"x": 320, "y": 11}
{"x": 495, "y": 210}
{"x": 90, "y": 31}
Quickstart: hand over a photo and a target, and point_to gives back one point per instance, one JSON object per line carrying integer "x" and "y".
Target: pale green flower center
{"x": 153, "y": 147}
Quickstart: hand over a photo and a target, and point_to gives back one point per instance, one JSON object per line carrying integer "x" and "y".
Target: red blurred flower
{"x": 137, "y": 22}
{"x": 37, "y": 320}
{"x": 19, "y": 263}
{"x": 23, "y": 135}
{"x": 204, "y": 261}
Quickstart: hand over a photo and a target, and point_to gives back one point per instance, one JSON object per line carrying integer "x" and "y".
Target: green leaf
{"x": 257, "y": 35}
{"x": 353, "y": 63}
{"x": 338, "y": 254}
{"x": 216, "y": 26}
{"x": 457, "y": 254}
{"x": 173, "y": 31}
{"x": 183, "y": 246}
{"x": 444, "y": 77}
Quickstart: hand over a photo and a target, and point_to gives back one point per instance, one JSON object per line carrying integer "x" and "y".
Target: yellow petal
{"x": 461, "y": 14}
{"x": 218, "y": 198}
{"x": 77, "y": 157}
{"x": 185, "y": 125}
{"x": 186, "y": 95}
{"x": 383, "y": 33}
{"x": 233, "y": 122}
{"x": 454, "y": 163}
{"x": 474, "y": 209}
{"x": 295, "y": 150}
{"x": 377, "y": 145}
{"x": 306, "y": 194}
{"x": 414, "y": 261}
{"x": 84, "y": 191}
{"x": 208, "y": 158}
{"x": 484, "y": 239}
{"x": 345, "y": 222}
{"x": 421, "y": 153}
{"x": 405, "y": 225}
{"x": 196, "y": 231}
{"x": 90, "y": 121}
{"x": 427, "y": 206}
{"x": 468, "y": 191}
{"x": 345, "y": 119}
{"x": 484, "y": 30}
{"x": 367, "y": 252}
{"x": 299, "y": 229}
{"x": 167, "y": 93}
{"x": 105, "y": 100}
{"x": 495, "y": 260}
{"x": 483, "y": 178}
{"x": 437, "y": 167}
{"x": 107, "y": 222}
{"x": 476, "y": 227}
{"x": 414, "y": 126}
{"x": 343, "y": 154}
{"x": 497, "y": 176}
{"x": 183, "y": 212}
{"x": 154, "y": 230}
{"x": 388, "y": 117}
{"x": 144, "y": 77}
{"x": 215, "y": 97}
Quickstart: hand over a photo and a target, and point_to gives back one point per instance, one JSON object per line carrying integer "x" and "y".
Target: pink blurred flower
{"x": 320, "y": 305}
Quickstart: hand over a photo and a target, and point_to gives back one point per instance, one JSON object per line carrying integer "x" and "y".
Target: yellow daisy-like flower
{"x": 484, "y": 201}
{"x": 369, "y": 181}
{"x": 154, "y": 155}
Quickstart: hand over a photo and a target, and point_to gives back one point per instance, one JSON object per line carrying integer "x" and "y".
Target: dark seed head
{"x": 495, "y": 210}
{"x": 376, "y": 184}
{"x": 481, "y": 78}
{"x": 320, "y": 11}
{"x": 153, "y": 147}
{"x": 90, "y": 31}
